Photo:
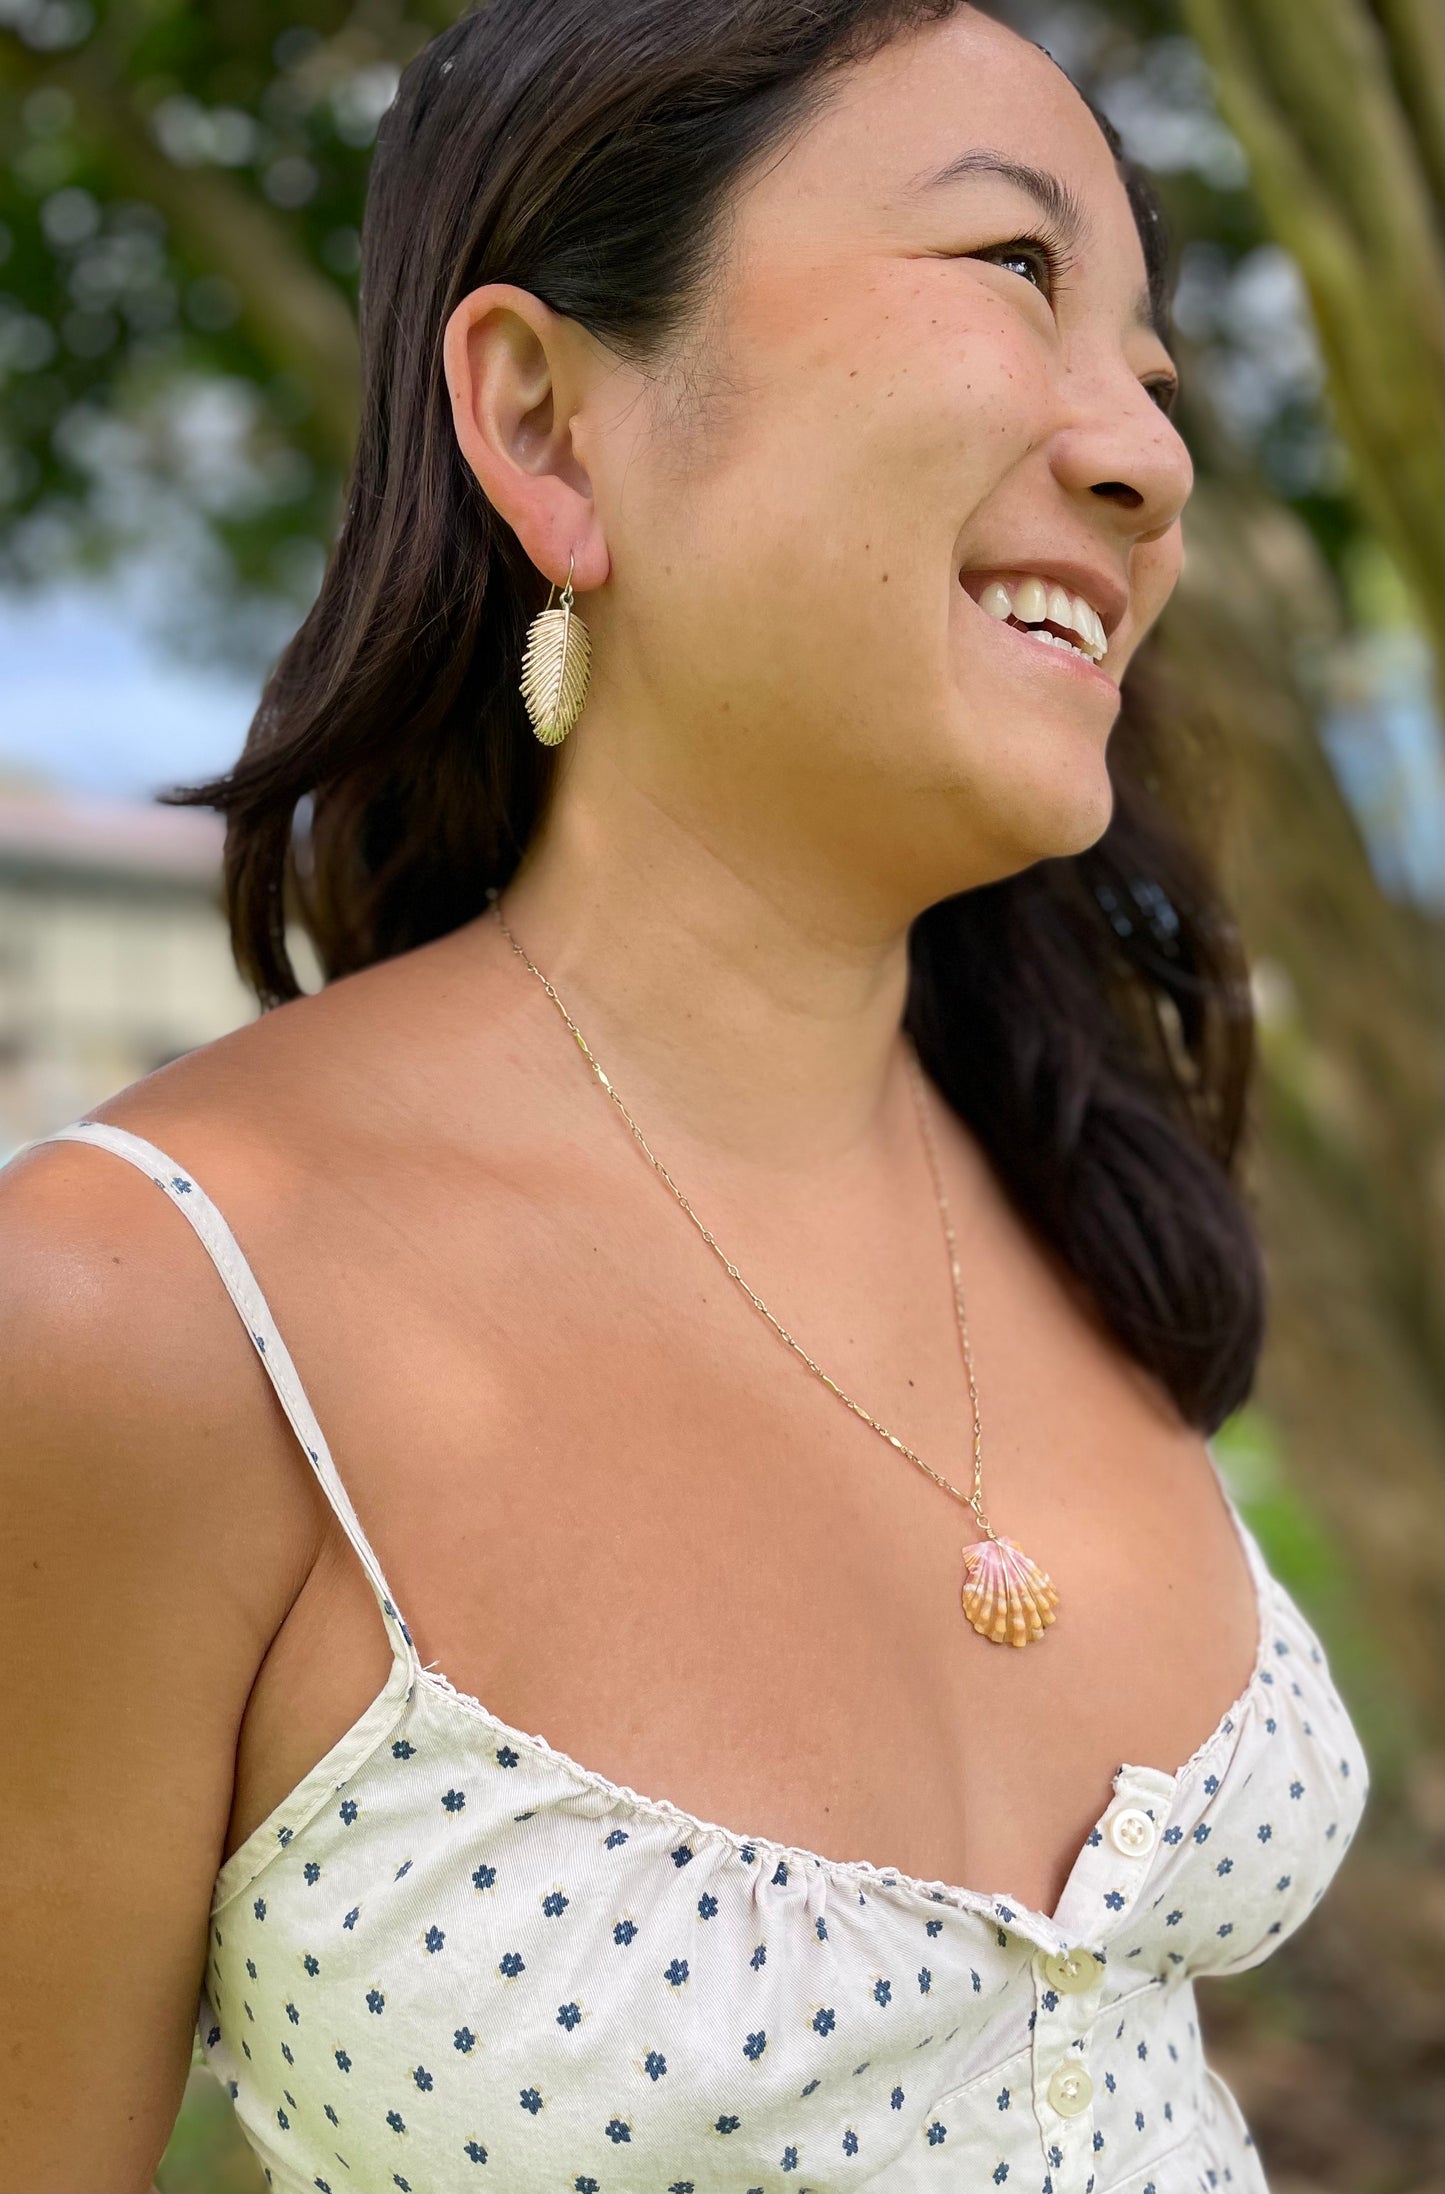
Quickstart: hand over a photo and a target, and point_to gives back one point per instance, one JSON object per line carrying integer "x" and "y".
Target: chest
{"x": 619, "y": 1509}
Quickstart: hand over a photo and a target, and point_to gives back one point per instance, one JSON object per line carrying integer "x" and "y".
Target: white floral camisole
{"x": 454, "y": 1961}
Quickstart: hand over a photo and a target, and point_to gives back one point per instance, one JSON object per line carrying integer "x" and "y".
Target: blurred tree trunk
{"x": 1336, "y": 2058}
{"x": 1340, "y": 108}
{"x": 1348, "y": 1164}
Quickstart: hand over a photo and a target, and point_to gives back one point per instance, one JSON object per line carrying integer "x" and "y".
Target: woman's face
{"x": 886, "y": 418}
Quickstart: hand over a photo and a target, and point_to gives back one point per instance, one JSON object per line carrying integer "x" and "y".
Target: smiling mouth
{"x": 1062, "y": 641}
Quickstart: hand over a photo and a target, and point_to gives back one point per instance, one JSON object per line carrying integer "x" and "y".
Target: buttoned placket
{"x": 1069, "y": 1982}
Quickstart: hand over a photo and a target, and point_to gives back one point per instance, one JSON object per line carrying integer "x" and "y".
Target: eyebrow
{"x": 1058, "y": 199}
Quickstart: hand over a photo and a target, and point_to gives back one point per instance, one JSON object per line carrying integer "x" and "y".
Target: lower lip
{"x": 1050, "y": 658}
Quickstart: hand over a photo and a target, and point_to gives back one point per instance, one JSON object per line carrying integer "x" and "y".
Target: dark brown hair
{"x": 1089, "y": 1019}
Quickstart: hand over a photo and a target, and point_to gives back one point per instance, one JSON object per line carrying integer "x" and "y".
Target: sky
{"x": 88, "y": 703}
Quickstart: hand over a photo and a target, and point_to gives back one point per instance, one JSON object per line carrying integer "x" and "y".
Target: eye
{"x": 1050, "y": 253}
{"x": 1031, "y": 252}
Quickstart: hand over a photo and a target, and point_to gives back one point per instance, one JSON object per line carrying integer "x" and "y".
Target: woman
{"x": 819, "y": 344}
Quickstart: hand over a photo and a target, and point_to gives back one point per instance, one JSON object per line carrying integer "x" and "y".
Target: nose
{"x": 1122, "y": 450}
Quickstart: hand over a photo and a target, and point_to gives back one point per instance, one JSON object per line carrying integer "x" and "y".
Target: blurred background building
{"x": 113, "y": 956}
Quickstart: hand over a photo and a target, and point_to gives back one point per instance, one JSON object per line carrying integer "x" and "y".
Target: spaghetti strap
{"x": 189, "y": 1197}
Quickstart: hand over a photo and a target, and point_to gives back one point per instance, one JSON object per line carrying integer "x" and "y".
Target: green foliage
{"x": 207, "y": 2153}
{"x": 180, "y": 199}
{"x": 1311, "y": 1564}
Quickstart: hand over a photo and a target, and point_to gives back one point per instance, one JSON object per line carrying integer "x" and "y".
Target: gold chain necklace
{"x": 1007, "y": 1598}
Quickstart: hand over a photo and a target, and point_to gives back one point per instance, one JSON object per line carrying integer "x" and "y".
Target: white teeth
{"x": 1031, "y": 601}
{"x": 1034, "y": 599}
{"x": 1086, "y": 622}
{"x": 1052, "y": 640}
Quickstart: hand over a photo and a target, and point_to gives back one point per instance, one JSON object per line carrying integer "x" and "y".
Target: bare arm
{"x": 140, "y": 1584}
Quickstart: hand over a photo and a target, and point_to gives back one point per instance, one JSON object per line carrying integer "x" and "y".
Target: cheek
{"x": 1154, "y": 574}
{"x": 848, "y": 438}
{"x": 1167, "y": 559}
{"x": 892, "y": 365}
{"x": 947, "y": 403}
{"x": 882, "y": 427}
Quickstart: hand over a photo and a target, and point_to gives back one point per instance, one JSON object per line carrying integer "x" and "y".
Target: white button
{"x": 1132, "y": 1831}
{"x": 1071, "y": 1972}
{"x": 1070, "y": 2090}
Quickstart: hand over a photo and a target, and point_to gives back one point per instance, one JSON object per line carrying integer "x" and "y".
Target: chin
{"x": 1086, "y": 822}
{"x": 1060, "y": 804}
{"x": 1050, "y": 828}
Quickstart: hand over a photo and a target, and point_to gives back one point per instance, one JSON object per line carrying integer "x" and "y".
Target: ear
{"x": 515, "y": 376}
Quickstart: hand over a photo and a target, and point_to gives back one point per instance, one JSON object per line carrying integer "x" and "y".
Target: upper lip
{"x": 1103, "y": 590}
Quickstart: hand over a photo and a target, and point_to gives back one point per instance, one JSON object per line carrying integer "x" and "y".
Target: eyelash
{"x": 1045, "y": 245}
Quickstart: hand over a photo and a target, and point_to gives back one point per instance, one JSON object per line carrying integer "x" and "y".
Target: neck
{"x": 741, "y": 1004}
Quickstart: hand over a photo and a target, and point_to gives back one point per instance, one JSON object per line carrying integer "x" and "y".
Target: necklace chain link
{"x": 971, "y": 1500}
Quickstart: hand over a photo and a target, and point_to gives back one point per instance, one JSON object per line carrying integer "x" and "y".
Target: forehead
{"x": 930, "y": 96}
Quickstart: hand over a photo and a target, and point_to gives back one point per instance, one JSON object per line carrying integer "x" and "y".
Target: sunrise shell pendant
{"x": 1007, "y": 1598}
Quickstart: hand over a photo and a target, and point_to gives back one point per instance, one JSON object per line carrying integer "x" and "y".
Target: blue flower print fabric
{"x": 455, "y": 1958}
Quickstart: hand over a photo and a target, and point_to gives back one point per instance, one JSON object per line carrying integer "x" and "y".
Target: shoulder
{"x": 134, "y": 1412}
{"x": 115, "y": 1324}
{"x": 157, "y": 1530}
{"x": 114, "y": 1321}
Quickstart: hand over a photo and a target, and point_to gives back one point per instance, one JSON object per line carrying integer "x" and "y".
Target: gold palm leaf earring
{"x": 556, "y": 666}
